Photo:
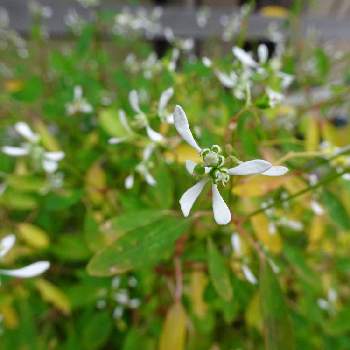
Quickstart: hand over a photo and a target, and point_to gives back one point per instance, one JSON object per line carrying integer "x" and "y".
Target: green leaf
{"x": 277, "y": 325}
{"x": 218, "y": 272}
{"x": 340, "y": 323}
{"x": 336, "y": 210}
{"x": 110, "y": 123}
{"x": 71, "y": 247}
{"x": 140, "y": 248}
{"x": 17, "y": 201}
{"x": 25, "y": 183}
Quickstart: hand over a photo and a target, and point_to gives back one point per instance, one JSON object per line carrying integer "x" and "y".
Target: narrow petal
{"x": 85, "y": 107}
{"x": 250, "y": 167}
{"x": 6, "y": 244}
{"x": 55, "y": 156}
{"x": 244, "y": 57}
{"x": 190, "y": 165}
{"x": 31, "y": 270}
{"x": 124, "y": 121}
{"x": 248, "y": 274}
{"x": 50, "y": 166}
{"x": 134, "y": 101}
{"x": 147, "y": 152}
{"x": 25, "y": 131}
{"x": 263, "y": 53}
{"x": 276, "y": 170}
{"x": 225, "y": 79}
{"x": 153, "y": 135}
{"x": 183, "y": 128}
{"x": 14, "y": 151}
{"x": 116, "y": 140}
{"x": 129, "y": 182}
{"x": 222, "y": 214}
{"x": 78, "y": 92}
{"x": 190, "y": 196}
{"x": 149, "y": 178}
{"x": 164, "y": 99}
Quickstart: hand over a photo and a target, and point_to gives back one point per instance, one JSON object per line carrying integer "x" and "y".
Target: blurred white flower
{"x": 31, "y": 270}
{"x": 48, "y": 161}
{"x": 79, "y": 103}
{"x": 248, "y": 274}
{"x": 213, "y": 169}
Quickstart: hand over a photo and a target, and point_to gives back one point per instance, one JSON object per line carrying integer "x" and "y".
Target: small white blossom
{"x": 213, "y": 169}
{"x": 79, "y": 103}
{"x": 31, "y": 270}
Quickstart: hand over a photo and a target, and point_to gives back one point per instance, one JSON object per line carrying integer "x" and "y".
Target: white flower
{"x": 213, "y": 170}
{"x": 79, "y": 103}
{"x": 141, "y": 117}
{"x": 31, "y": 270}
{"x": 47, "y": 160}
{"x": 248, "y": 274}
{"x": 244, "y": 57}
{"x": 275, "y": 97}
{"x": 162, "y": 106}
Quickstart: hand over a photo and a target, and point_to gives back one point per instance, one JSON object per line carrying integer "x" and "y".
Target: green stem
{"x": 299, "y": 193}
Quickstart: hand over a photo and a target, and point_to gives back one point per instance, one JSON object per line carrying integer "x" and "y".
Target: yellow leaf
{"x": 54, "y": 295}
{"x": 267, "y": 234}
{"x": 198, "y": 283}
{"x": 316, "y": 229}
{"x": 182, "y": 153}
{"x": 253, "y": 313}
{"x": 33, "y": 235}
{"x": 9, "y": 315}
{"x": 48, "y": 140}
{"x": 335, "y": 136}
{"x": 274, "y": 11}
{"x": 173, "y": 334}
{"x": 312, "y": 135}
{"x": 258, "y": 185}
{"x": 95, "y": 183}
{"x": 13, "y": 85}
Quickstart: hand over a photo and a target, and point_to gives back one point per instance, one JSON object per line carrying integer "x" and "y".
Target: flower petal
{"x": 183, "y": 128}
{"x": 244, "y": 57}
{"x": 190, "y": 196}
{"x": 248, "y": 274}
{"x": 116, "y": 140}
{"x": 276, "y": 170}
{"x": 78, "y": 92}
{"x": 134, "y": 101}
{"x": 153, "y": 135}
{"x": 149, "y": 178}
{"x": 31, "y": 270}
{"x": 147, "y": 152}
{"x": 250, "y": 167}
{"x": 25, "y": 131}
{"x": 124, "y": 121}
{"x": 6, "y": 244}
{"x": 50, "y": 166}
{"x": 164, "y": 99}
{"x": 54, "y": 156}
{"x": 263, "y": 53}
{"x": 222, "y": 214}
{"x": 129, "y": 181}
{"x": 226, "y": 80}
{"x": 190, "y": 165}
{"x": 14, "y": 151}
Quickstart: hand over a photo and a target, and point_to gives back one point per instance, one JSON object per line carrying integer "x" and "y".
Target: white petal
{"x": 250, "y": 167}
{"x": 164, "y": 99}
{"x": 54, "y": 156}
{"x": 149, "y": 178}
{"x": 124, "y": 121}
{"x": 244, "y": 57}
{"x": 276, "y": 170}
{"x": 236, "y": 243}
{"x": 6, "y": 244}
{"x": 190, "y": 196}
{"x": 147, "y": 152}
{"x": 129, "y": 182}
{"x": 134, "y": 101}
{"x": 226, "y": 80}
{"x": 25, "y": 131}
{"x": 249, "y": 275}
{"x": 31, "y": 270}
{"x": 85, "y": 107}
{"x": 190, "y": 165}
{"x": 116, "y": 140}
{"x": 183, "y": 128}
{"x": 263, "y": 53}
{"x": 78, "y": 92}
{"x": 153, "y": 135}
{"x": 222, "y": 214}
{"x": 14, "y": 151}
{"x": 50, "y": 166}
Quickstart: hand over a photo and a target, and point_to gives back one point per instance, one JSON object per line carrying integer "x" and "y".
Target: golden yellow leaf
{"x": 9, "y": 315}
{"x": 258, "y": 185}
{"x": 267, "y": 234}
{"x": 253, "y": 313}
{"x": 198, "y": 283}
{"x": 13, "y": 85}
{"x": 95, "y": 183}
{"x": 47, "y": 138}
{"x": 316, "y": 230}
{"x": 173, "y": 334}
{"x": 274, "y": 11}
{"x": 33, "y": 235}
{"x": 182, "y": 153}
{"x": 335, "y": 136}
{"x": 312, "y": 135}
{"x": 54, "y": 295}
